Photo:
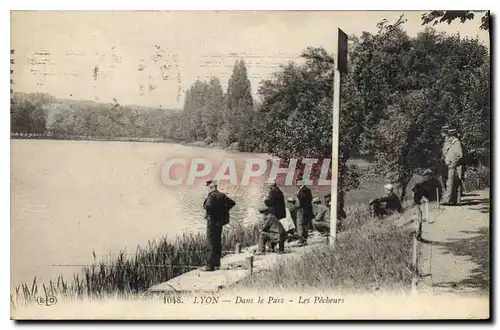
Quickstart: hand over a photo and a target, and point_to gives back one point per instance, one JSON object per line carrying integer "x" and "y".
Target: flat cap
{"x": 211, "y": 182}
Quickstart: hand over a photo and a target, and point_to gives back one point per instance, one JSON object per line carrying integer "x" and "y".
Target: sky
{"x": 151, "y": 58}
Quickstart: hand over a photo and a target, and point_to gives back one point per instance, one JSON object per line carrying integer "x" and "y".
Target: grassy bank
{"x": 157, "y": 262}
{"x": 370, "y": 255}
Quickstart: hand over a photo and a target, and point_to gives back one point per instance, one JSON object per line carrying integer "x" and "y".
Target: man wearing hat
{"x": 305, "y": 212}
{"x": 272, "y": 232}
{"x": 453, "y": 157}
{"x": 321, "y": 221}
{"x": 217, "y": 206}
{"x": 341, "y": 215}
{"x": 276, "y": 201}
{"x": 388, "y": 204}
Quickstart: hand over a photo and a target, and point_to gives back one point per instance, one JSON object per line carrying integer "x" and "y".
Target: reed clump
{"x": 132, "y": 274}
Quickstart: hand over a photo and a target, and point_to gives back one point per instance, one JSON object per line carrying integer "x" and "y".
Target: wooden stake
{"x": 414, "y": 260}
{"x": 250, "y": 264}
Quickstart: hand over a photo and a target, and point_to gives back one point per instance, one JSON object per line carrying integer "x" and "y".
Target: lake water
{"x": 70, "y": 198}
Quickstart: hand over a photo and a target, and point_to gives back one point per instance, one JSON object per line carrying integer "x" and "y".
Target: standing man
{"x": 452, "y": 157}
{"x": 304, "y": 212}
{"x": 275, "y": 201}
{"x": 217, "y": 206}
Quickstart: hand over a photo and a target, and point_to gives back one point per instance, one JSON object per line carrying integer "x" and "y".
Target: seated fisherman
{"x": 388, "y": 204}
{"x": 428, "y": 186}
{"x": 272, "y": 231}
{"x": 321, "y": 220}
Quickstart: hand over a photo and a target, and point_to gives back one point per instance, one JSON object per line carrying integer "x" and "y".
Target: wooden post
{"x": 250, "y": 264}
{"x": 414, "y": 260}
{"x": 335, "y": 157}
{"x": 340, "y": 66}
{"x": 438, "y": 200}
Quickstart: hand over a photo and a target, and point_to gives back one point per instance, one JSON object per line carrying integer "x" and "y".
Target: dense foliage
{"x": 440, "y": 16}
{"x": 398, "y": 93}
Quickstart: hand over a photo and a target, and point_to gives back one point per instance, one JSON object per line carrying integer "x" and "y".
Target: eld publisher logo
{"x": 46, "y": 300}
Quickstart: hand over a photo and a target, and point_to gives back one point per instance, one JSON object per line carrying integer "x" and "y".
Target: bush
{"x": 476, "y": 178}
{"x": 374, "y": 257}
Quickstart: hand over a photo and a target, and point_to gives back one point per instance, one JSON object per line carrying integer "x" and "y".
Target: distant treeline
{"x": 55, "y": 118}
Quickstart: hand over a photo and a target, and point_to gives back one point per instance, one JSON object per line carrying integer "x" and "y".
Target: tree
{"x": 440, "y": 16}
{"x": 297, "y": 103}
{"x": 238, "y": 109}
{"x": 194, "y": 107}
{"x": 28, "y": 115}
{"x": 411, "y": 87}
{"x": 212, "y": 113}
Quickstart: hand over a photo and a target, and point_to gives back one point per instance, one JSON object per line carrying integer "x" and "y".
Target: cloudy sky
{"x": 151, "y": 58}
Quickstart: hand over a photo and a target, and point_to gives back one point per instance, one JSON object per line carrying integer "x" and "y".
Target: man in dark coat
{"x": 426, "y": 185}
{"x": 305, "y": 213}
{"x": 275, "y": 201}
{"x": 217, "y": 206}
{"x": 387, "y": 204}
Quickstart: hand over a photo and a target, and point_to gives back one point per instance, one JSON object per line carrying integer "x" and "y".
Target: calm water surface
{"x": 70, "y": 198}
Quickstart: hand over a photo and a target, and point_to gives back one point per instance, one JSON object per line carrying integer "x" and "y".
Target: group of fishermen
{"x": 308, "y": 213}
{"x": 281, "y": 221}
{"x": 429, "y": 185}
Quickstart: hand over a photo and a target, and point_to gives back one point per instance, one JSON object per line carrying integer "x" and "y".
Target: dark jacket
{"x": 273, "y": 226}
{"x": 276, "y": 202}
{"x": 426, "y": 188}
{"x": 305, "y": 197}
{"x": 419, "y": 186}
{"x": 392, "y": 202}
{"x": 217, "y": 206}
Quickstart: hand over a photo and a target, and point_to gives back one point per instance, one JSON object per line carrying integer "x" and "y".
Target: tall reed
{"x": 157, "y": 262}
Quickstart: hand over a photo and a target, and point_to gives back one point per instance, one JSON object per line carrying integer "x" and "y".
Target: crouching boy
{"x": 272, "y": 232}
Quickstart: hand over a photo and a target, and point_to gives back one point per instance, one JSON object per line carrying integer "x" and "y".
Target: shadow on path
{"x": 476, "y": 248}
{"x": 477, "y": 201}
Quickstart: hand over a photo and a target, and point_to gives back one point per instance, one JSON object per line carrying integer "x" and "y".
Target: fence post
{"x": 250, "y": 264}
{"x": 414, "y": 261}
{"x": 438, "y": 200}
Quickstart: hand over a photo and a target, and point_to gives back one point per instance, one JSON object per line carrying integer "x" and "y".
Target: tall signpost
{"x": 340, "y": 67}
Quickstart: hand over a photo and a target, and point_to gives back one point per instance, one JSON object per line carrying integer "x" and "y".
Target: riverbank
{"x": 370, "y": 255}
{"x": 371, "y": 258}
{"x": 132, "y": 274}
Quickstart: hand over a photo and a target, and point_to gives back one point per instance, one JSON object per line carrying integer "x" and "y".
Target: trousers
{"x": 265, "y": 237}
{"x": 322, "y": 226}
{"x": 304, "y": 223}
{"x": 214, "y": 242}
{"x": 453, "y": 192}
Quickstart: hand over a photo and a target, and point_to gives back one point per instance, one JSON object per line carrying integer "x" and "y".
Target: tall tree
{"x": 239, "y": 106}
{"x": 213, "y": 107}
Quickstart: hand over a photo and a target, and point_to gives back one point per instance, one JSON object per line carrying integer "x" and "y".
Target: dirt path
{"x": 455, "y": 252}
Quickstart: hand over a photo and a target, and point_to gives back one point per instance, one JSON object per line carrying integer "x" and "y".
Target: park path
{"x": 455, "y": 247}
